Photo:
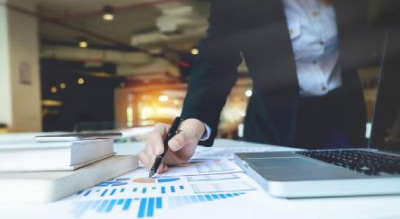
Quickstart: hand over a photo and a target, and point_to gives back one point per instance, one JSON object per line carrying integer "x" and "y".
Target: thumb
{"x": 178, "y": 141}
{"x": 191, "y": 131}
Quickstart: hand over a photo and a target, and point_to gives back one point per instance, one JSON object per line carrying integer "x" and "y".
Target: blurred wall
{"x": 19, "y": 69}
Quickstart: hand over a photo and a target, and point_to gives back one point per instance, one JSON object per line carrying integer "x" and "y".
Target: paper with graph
{"x": 133, "y": 195}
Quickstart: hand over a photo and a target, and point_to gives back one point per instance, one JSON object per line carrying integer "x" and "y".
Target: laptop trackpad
{"x": 282, "y": 162}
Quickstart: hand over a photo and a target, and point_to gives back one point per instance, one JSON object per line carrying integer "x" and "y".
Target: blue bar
{"x": 87, "y": 193}
{"x": 95, "y": 204}
{"x": 172, "y": 188}
{"x": 235, "y": 194}
{"x": 150, "y": 208}
{"x": 163, "y": 190}
{"x": 229, "y": 195}
{"x": 127, "y": 204}
{"x": 181, "y": 187}
{"x": 193, "y": 198}
{"x": 78, "y": 193}
{"x": 222, "y": 196}
{"x": 215, "y": 196}
{"x": 111, "y": 205}
{"x": 102, "y": 206}
{"x": 201, "y": 198}
{"x": 186, "y": 200}
{"x": 142, "y": 207}
{"x": 112, "y": 192}
{"x": 120, "y": 201}
{"x": 208, "y": 197}
{"x": 134, "y": 189}
{"x": 122, "y": 190}
{"x": 144, "y": 190}
{"x": 158, "y": 202}
{"x": 104, "y": 192}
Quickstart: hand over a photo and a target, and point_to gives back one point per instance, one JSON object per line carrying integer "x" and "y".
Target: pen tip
{"x": 151, "y": 174}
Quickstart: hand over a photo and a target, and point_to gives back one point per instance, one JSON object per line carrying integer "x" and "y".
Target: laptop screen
{"x": 386, "y": 121}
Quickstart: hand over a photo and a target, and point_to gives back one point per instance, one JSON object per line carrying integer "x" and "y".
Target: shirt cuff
{"x": 207, "y": 133}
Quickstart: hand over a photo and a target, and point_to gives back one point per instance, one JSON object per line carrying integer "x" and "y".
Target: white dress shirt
{"x": 313, "y": 32}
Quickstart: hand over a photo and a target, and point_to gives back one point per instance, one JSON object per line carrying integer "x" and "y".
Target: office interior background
{"x": 112, "y": 64}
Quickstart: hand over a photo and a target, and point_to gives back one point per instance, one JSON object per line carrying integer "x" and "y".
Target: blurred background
{"x": 110, "y": 64}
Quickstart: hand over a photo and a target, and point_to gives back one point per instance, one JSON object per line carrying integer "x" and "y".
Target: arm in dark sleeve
{"x": 215, "y": 70}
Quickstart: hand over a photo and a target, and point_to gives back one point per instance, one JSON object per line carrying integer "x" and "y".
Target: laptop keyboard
{"x": 366, "y": 162}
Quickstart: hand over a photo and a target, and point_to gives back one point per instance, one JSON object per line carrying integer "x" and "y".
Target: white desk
{"x": 259, "y": 205}
{"x": 349, "y": 207}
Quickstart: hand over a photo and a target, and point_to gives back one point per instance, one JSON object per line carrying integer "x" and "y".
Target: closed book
{"x": 30, "y": 156}
{"x": 42, "y": 187}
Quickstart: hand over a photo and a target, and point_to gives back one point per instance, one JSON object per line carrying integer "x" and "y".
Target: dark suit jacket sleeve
{"x": 215, "y": 70}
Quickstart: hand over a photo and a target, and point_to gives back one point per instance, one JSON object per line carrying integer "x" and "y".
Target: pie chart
{"x": 156, "y": 180}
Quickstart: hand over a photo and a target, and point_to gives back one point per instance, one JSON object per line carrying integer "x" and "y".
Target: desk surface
{"x": 256, "y": 205}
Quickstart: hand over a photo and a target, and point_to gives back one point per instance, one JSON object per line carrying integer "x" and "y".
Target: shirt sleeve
{"x": 206, "y": 134}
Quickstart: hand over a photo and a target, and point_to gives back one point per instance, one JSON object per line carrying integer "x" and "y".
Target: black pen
{"x": 173, "y": 130}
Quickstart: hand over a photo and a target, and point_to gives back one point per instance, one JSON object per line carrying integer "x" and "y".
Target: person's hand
{"x": 181, "y": 146}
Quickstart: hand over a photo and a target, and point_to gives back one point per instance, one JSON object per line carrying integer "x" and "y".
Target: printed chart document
{"x": 199, "y": 185}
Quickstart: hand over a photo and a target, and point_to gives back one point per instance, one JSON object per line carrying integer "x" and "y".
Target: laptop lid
{"x": 385, "y": 133}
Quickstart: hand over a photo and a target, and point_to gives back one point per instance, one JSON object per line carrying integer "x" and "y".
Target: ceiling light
{"x": 83, "y": 42}
{"x": 81, "y": 81}
{"x": 53, "y": 90}
{"x": 163, "y": 98}
{"x": 248, "y": 93}
{"x": 108, "y": 14}
{"x": 194, "y": 51}
{"x": 63, "y": 85}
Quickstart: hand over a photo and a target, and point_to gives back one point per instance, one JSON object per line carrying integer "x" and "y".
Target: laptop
{"x": 374, "y": 170}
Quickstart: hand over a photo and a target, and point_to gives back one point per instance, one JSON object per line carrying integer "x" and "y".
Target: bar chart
{"x": 144, "y": 207}
{"x": 131, "y": 191}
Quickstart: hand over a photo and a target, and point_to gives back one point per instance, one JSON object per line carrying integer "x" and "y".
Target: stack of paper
{"x": 31, "y": 156}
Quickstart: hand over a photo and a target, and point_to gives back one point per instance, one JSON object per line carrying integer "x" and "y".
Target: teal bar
{"x": 127, "y": 204}
{"x": 150, "y": 208}
{"x": 142, "y": 207}
{"x": 95, "y": 204}
{"x": 111, "y": 205}
{"x": 201, "y": 198}
{"x": 229, "y": 195}
{"x": 208, "y": 197}
{"x": 158, "y": 202}
{"x": 112, "y": 192}
{"x": 222, "y": 196}
{"x": 102, "y": 206}
{"x": 215, "y": 196}
{"x": 120, "y": 201}
{"x": 104, "y": 192}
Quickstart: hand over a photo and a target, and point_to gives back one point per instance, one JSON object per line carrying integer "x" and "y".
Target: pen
{"x": 173, "y": 130}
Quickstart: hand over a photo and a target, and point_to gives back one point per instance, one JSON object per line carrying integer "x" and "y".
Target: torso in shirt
{"x": 313, "y": 32}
